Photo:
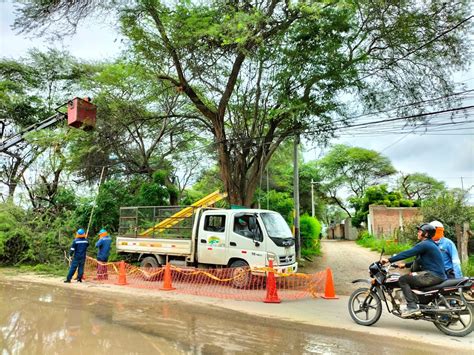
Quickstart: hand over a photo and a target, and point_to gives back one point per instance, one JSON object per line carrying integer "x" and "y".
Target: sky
{"x": 449, "y": 158}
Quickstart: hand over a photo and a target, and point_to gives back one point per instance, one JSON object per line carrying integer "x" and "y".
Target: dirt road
{"x": 347, "y": 260}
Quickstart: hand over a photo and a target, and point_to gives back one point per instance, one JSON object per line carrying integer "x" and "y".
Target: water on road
{"x": 42, "y": 319}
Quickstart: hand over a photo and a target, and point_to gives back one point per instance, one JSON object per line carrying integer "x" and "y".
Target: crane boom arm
{"x": 17, "y": 138}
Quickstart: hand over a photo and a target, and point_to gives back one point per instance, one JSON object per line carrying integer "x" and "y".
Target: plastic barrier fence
{"x": 230, "y": 283}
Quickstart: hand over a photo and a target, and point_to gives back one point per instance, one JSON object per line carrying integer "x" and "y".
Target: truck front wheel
{"x": 241, "y": 276}
{"x": 149, "y": 266}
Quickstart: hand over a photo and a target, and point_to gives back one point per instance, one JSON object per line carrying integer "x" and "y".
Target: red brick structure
{"x": 385, "y": 221}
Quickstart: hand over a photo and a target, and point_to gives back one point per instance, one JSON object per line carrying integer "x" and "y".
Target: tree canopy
{"x": 256, "y": 74}
{"x": 352, "y": 168}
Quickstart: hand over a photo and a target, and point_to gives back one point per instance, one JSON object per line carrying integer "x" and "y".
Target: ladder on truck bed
{"x": 185, "y": 213}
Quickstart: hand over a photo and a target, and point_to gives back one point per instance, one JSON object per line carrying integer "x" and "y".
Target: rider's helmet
{"x": 427, "y": 230}
{"x": 439, "y": 230}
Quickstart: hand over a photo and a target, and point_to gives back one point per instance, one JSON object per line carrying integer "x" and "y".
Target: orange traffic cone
{"x": 167, "y": 279}
{"x": 122, "y": 277}
{"x": 329, "y": 291}
{"x": 272, "y": 295}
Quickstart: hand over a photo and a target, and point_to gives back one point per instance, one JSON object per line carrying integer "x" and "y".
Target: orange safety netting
{"x": 231, "y": 283}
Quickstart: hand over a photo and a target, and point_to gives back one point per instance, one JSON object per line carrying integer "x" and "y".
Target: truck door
{"x": 246, "y": 240}
{"x": 211, "y": 239}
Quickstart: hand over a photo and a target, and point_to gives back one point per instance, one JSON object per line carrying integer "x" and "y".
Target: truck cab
{"x": 235, "y": 237}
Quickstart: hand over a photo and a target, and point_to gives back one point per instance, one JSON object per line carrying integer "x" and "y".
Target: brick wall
{"x": 386, "y": 220}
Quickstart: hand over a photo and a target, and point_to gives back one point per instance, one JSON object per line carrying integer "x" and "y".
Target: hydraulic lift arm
{"x": 80, "y": 112}
{"x": 17, "y": 138}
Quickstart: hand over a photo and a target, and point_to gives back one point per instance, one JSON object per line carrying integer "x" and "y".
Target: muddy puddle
{"x": 43, "y": 319}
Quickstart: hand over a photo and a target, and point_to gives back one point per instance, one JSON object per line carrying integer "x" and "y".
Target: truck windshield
{"x": 276, "y": 226}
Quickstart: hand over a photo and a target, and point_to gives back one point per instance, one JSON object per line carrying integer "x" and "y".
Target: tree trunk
{"x": 463, "y": 239}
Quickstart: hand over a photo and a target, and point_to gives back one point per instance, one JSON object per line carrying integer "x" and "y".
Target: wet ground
{"x": 45, "y": 319}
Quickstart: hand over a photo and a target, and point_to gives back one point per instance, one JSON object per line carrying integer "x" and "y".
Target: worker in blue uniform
{"x": 103, "y": 253}
{"x": 78, "y": 252}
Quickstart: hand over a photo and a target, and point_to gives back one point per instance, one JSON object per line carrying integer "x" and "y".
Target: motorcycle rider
{"x": 452, "y": 263}
{"x": 430, "y": 260}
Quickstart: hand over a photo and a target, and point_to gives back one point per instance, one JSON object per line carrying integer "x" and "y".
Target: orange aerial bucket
{"x": 81, "y": 112}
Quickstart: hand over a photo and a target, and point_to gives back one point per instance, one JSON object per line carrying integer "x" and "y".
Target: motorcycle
{"x": 448, "y": 305}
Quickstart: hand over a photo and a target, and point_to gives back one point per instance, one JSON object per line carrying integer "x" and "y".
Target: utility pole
{"x": 268, "y": 188}
{"x": 312, "y": 198}
{"x": 296, "y": 195}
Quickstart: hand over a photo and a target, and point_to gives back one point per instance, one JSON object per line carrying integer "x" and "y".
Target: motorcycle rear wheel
{"x": 459, "y": 323}
{"x": 365, "y": 306}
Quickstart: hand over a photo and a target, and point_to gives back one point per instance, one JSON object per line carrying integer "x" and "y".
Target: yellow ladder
{"x": 185, "y": 212}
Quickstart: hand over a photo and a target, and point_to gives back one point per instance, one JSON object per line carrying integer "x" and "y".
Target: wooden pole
{"x": 95, "y": 201}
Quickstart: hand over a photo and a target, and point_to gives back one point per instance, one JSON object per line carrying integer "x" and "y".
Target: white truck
{"x": 204, "y": 237}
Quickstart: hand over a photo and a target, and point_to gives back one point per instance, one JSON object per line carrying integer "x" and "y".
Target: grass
{"x": 45, "y": 269}
{"x": 369, "y": 241}
{"x": 468, "y": 268}
{"x": 315, "y": 250}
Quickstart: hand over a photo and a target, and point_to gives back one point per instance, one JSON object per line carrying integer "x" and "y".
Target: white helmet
{"x": 437, "y": 224}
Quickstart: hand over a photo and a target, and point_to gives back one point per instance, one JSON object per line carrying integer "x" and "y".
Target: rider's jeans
{"x": 416, "y": 280}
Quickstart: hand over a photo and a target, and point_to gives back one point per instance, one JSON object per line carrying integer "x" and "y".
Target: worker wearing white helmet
{"x": 452, "y": 263}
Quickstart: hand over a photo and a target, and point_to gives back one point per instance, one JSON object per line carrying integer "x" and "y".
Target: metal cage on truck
{"x": 157, "y": 222}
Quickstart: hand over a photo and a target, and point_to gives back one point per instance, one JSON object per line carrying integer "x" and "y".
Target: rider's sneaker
{"x": 410, "y": 311}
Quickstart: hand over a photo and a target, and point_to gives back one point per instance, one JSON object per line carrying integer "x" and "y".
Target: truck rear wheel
{"x": 241, "y": 274}
{"x": 149, "y": 266}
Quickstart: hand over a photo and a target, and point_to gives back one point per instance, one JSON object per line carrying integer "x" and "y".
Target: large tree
{"x": 419, "y": 186}
{"x": 354, "y": 169}
{"x": 30, "y": 89}
{"x": 259, "y": 72}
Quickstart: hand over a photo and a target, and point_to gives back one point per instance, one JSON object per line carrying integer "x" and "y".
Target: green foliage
{"x": 280, "y": 202}
{"x": 377, "y": 195}
{"x": 309, "y": 232}
{"x": 468, "y": 267}
{"x": 390, "y": 247}
{"x": 450, "y": 208}
{"x": 15, "y": 236}
{"x": 154, "y": 192}
{"x": 419, "y": 186}
{"x": 355, "y": 168}
{"x": 46, "y": 269}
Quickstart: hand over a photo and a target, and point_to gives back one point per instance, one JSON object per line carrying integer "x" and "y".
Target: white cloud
{"x": 94, "y": 40}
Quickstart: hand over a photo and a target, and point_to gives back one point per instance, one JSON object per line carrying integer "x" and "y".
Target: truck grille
{"x": 285, "y": 260}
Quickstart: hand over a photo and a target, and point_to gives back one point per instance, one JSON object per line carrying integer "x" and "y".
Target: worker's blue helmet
{"x": 81, "y": 231}
{"x": 102, "y": 231}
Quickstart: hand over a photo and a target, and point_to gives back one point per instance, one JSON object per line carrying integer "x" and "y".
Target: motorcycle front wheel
{"x": 365, "y": 306}
{"x": 456, "y": 323}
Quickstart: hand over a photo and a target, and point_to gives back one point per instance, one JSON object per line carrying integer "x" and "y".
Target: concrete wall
{"x": 336, "y": 231}
{"x": 383, "y": 220}
{"x": 343, "y": 230}
{"x": 350, "y": 232}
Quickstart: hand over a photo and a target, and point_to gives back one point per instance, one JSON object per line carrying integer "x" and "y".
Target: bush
{"x": 310, "y": 228}
{"x": 15, "y": 237}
